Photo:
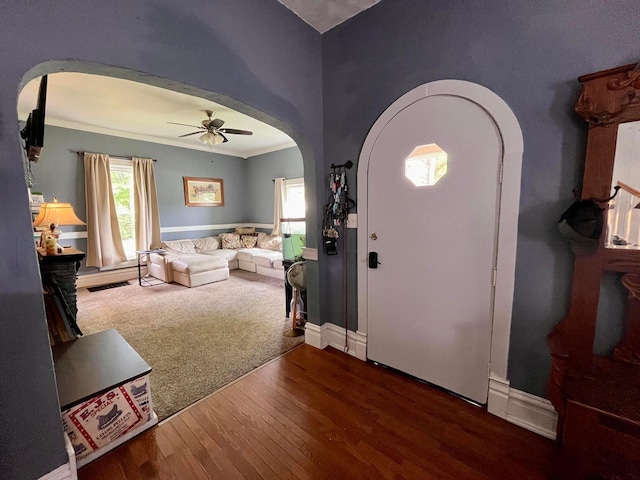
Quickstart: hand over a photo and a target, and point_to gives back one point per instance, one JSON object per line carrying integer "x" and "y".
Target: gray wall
{"x": 530, "y": 54}
{"x": 261, "y": 170}
{"x": 267, "y": 64}
{"x": 248, "y": 186}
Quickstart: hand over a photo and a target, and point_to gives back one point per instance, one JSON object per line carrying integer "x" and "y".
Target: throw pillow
{"x": 245, "y": 230}
{"x": 230, "y": 240}
{"x": 248, "y": 241}
{"x": 206, "y": 244}
{"x": 270, "y": 242}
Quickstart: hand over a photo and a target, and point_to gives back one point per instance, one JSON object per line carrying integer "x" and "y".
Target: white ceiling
{"x": 323, "y": 15}
{"x": 122, "y": 108}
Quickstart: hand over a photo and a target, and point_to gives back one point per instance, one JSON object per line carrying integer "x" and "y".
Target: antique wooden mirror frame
{"x": 597, "y": 397}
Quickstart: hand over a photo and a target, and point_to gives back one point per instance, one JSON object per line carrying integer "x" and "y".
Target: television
{"x": 33, "y": 132}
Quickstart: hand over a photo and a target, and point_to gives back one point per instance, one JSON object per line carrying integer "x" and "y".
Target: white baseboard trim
{"x": 520, "y": 408}
{"x": 330, "y": 335}
{"x": 498, "y": 399}
{"x": 532, "y": 413}
{"x": 109, "y": 276}
{"x": 66, "y": 471}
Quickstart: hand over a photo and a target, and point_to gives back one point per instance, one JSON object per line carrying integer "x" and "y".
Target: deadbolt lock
{"x": 373, "y": 236}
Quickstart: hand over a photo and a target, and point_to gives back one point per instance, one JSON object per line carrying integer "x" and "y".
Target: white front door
{"x": 430, "y": 301}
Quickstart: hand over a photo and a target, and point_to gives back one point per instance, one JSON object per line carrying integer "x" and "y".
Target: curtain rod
{"x": 116, "y": 156}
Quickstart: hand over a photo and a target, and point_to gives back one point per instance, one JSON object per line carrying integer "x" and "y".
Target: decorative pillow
{"x": 180, "y": 246}
{"x": 270, "y": 242}
{"x": 206, "y": 244}
{"x": 245, "y": 230}
{"x": 230, "y": 240}
{"x": 248, "y": 241}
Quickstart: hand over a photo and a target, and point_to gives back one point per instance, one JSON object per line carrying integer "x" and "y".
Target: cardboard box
{"x": 102, "y": 419}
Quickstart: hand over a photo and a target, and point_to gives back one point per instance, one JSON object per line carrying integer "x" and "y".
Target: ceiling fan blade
{"x": 185, "y": 125}
{"x": 225, "y": 138}
{"x": 216, "y": 123}
{"x": 187, "y": 134}
{"x": 235, "y": 131}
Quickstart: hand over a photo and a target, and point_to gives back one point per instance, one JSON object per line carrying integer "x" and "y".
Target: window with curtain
{"x": 123, "y": 194}
{"x": 122, "y": 209}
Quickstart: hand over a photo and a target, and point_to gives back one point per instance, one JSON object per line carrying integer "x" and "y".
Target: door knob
{"x": 373, "y": 236}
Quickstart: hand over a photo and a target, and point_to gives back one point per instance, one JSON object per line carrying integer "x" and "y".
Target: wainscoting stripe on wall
{"x": 185, "y": 228}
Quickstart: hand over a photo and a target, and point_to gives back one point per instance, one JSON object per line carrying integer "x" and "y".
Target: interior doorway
{"x": 67, "y": 161}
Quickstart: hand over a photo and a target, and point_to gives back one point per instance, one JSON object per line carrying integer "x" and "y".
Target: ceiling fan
{"x": 211, "y": 129}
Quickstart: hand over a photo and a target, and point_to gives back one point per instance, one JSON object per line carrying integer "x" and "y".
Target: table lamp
{"x": 52, "y": 215}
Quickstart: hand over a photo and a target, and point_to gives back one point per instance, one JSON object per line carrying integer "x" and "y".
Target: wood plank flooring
{"x": 322, "y": 414}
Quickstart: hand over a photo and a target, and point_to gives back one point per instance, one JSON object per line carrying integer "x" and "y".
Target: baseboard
{"x": 111, "y": 276}
{"x": 330, "y": 335}
{"x": 66, "y": 471}
{"x": 532, "y": 413}
{"x": 520, "y": 408}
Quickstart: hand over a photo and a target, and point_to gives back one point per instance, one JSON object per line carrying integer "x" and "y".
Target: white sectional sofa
{"x": 194, "y": 262}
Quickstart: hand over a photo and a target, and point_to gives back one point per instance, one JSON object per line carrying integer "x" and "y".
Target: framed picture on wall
{"x": 203, "y": 192}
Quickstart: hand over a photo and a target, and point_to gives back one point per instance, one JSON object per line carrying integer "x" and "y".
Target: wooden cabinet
{"x": 597, "y": 396}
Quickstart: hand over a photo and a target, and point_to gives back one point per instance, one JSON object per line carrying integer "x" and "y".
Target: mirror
{"x": 623, "y": 220}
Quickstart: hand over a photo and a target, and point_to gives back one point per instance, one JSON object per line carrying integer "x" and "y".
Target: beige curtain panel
{"x": 146, "y": 205}
{"x": 278, "y": 205}
{"x": 104, "y": 243}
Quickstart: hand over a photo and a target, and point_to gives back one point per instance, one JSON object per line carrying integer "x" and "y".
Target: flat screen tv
{"x": 33, "y": 132}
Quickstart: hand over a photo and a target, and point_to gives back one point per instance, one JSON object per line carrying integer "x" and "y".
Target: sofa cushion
{"x": 245, "y": 230}
{"x": 180, "y": 246}
{"x": 191, "y": 265}
{"x": 230, "y": 240}
{"x": 206, "y": 244}
{"x": 268, "y": 259}
{"x": 227, "y": 254}
{"x": 246, "y": 254}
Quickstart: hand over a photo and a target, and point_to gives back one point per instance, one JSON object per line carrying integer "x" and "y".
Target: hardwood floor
{"x": 322, "y": 414}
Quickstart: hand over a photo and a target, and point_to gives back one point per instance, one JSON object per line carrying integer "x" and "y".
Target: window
{"x": 426, "y": 165}
{"x": 293, "y": 198}
{"x": 122, "y": 186}
{"x": 293, "y": 207}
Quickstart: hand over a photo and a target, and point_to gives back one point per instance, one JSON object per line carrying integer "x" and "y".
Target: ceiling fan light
{"x": 217, "y": 139}
{"x": 208, "y": 138}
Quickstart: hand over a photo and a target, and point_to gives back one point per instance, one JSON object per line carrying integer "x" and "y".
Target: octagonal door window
{"x": 426, "y": 165}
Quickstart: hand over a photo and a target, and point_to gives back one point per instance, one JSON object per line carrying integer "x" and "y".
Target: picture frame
{"x": 203, "y": 192}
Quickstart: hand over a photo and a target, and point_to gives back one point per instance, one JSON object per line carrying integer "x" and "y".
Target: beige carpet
{"x": 195, "y": 339}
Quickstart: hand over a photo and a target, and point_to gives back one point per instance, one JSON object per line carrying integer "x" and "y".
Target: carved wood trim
{"x": 626, "y": 83}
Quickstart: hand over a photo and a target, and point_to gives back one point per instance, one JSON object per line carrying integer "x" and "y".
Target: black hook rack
{"x": 348, "y": 164}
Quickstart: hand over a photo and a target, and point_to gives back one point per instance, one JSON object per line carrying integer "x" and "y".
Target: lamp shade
{"x": 211, "y": 138}
{"x": 56, "y": 213}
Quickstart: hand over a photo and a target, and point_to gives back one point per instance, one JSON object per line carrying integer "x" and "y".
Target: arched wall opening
{"x": 80, "y": 67}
